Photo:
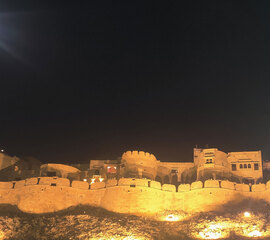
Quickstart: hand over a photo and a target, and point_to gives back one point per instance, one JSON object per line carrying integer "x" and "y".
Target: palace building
{"x": 241, "y": 166}
{"x": 209, "y": 163}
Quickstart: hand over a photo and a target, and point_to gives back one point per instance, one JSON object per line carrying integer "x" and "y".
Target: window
{"x": 111, "y": 169}
{"x": 249, "y": 165}
{"x": 233, "y": 167}
{"x": 245, "y": 165}
{"x": 51, "y": 174}
{"x": 241, "y": 166}
{"x": 210, "y": 160}
{"x": 256, "y": 166}
{"x": 174, "y": 171}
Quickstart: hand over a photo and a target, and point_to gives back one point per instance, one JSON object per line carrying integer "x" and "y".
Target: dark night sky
{"x": 87, "y": 80}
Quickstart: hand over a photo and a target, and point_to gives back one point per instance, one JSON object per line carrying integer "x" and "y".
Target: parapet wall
{"x": 133, "y": 182}
{"x": 127, "y": 195}
{"x": 138, "y": 155}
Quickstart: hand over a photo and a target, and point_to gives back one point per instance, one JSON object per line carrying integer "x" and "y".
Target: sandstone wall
{"x": 138, "y": 155}
{"x": 136, "y": 196}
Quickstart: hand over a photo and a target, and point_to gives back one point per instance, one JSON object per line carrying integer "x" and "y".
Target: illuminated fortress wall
{"x": 209, "y": 163}
{"x": 136, "y": 196}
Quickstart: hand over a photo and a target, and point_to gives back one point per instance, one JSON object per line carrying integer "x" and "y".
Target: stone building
{"x": 139, "y": 164}
{"x": 246, "y": 165}
{"x": 14, "y": 168}
{"x": 235, "y": 166}
{"x": 7, "y": 161}
{"x": 59, "y": 170}
{"x": 107, "y": 169}
{"x": 209, "y": 163}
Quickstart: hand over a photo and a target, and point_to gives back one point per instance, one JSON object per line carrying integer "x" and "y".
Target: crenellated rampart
{"x": 127, "y": 195}
{"x": 138, "y": 155}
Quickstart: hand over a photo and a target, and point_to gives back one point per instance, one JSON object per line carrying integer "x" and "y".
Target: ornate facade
{"x": 235, "y": 166}
{"x": 208, "y": 163}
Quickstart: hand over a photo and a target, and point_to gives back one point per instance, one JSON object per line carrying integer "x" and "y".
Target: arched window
{"x": 166, "y": 180}
{"x": 158, "y": 179}
{"x": 249, "y": 165}
{"x": 209, "y": 160}
{"x": 245, "y": 165}
{"x": 174, "y": 179}
{"x": 241, "y": 166}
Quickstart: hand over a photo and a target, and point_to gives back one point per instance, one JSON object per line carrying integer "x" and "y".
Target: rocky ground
{"x": 94, "y": 223}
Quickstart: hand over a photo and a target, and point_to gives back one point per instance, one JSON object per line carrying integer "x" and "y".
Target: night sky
{"x": 85, "y": 80}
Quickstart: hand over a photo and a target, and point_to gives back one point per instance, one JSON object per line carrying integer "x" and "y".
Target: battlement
{"x": 126, "y": 195}
{"x": 133, "y": 182}
{"x": 138, "y": 155}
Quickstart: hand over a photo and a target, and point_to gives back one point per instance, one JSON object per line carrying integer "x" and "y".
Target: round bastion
{"x": 139, "y": 158}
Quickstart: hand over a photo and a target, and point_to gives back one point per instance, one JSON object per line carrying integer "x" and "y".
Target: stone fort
{"x": 140, "y": 184}
{"x": 209, "y": 163}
